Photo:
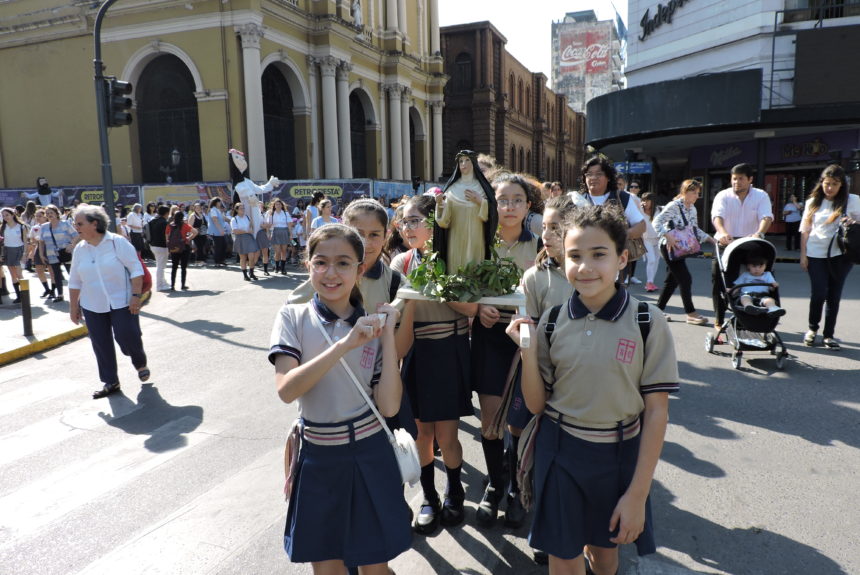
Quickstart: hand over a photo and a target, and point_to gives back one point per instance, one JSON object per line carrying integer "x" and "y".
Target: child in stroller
{"x": 757, "y": 282}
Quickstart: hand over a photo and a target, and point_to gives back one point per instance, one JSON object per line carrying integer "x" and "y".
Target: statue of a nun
{"x": 466, "y": 215}
{"x": 245, "y": 190}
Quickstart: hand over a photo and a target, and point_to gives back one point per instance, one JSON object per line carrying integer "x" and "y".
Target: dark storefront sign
{"x": 809, "y": 148}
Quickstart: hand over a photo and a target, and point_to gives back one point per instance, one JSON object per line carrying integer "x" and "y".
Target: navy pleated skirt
{"x": 436, "y": 373}
{"x": 492, "y": 354}
{"x": 263, "y": 239}
{"x": 347, "y": 503}
{"x": 280, "y": 236}
{"x": 577, "y": 484}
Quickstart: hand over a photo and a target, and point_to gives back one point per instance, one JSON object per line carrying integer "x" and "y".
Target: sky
{"x": 526, "y": 25}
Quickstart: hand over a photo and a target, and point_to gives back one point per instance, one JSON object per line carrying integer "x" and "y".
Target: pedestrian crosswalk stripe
{"x": 200, "y": 535}
{"x": 47, "y": 499}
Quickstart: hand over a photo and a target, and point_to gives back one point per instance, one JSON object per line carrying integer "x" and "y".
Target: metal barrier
{"x": 26, "y": 311}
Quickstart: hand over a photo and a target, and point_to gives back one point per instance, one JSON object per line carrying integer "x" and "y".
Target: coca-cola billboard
{"x": 584, "y": 50}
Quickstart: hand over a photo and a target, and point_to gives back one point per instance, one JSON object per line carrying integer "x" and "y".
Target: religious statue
{"x": 357, "y": 17}
{"x": 245, "y": 190}
{"x": 466, "y": 216}
{"x": 44, "y": 194}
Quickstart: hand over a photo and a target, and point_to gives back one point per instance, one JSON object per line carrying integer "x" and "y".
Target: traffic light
{"x": 117, "y": 105}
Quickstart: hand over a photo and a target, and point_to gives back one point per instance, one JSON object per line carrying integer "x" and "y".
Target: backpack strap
{"x": 394, "y": 285}
{"x": 643, "y": 318}
{"x": 550, "y": 324}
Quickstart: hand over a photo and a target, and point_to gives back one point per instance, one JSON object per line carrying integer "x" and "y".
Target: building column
{"x": 313, "y": 63}
{"x": 391, "y": 15}
{"x": 405, "y": 141}
{"x": 394, "y": 134}
{"x": 255, "y": 128}
{"x": 329, "y": 114}
{"x": 401, "y": 17}
{"x": 434, "y": 27}
{"x": 383, "y": 136}
{"x": 343, "y": 128}
{"x": 438, "y": 168}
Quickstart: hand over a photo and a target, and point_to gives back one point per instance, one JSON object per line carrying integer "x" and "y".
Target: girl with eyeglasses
{"x": 493, "y": 353}
{"x": 346, "y": 505}
{"x": 435, "y": 375}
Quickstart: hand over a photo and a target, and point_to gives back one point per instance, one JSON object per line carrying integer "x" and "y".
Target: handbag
{"x": 686, "y": 242}
{"x": 63, "y": 255}
{"x": 404, "y": 447}
{"x": 635, "y": 249}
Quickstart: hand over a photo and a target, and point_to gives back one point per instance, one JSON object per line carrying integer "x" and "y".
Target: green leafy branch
{"x": 494, "y": 277}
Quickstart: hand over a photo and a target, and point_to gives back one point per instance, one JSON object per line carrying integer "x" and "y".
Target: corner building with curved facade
{"x": 308, "y": 88}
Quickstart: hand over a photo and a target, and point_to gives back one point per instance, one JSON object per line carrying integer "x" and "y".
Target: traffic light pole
{"x": 101, "y": 114}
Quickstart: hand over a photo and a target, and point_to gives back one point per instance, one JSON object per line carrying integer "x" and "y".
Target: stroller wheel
{"x": 780, "y": 360}
{"x": 736, "y": 360}
{"x": 709, "y": 342}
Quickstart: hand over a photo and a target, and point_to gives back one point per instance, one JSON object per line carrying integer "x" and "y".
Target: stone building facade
{"x": 495, "y": 105}
{"x": 308, "y": 88}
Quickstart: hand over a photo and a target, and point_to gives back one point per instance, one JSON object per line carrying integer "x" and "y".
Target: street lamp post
{"x": 101, "y": 114}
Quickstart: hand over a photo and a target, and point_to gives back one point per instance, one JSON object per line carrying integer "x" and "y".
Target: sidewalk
{"x": 51, "y": 324}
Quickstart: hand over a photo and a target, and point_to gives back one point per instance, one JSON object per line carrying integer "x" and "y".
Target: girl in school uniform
{"x": 346, "y": 506}
{"x": 602, "y": 393}
{"x": 436, "y": 376}
{"x": 243, "y": 241}
{"x": 493, "y": 352}
{"x": 280, "y": 220}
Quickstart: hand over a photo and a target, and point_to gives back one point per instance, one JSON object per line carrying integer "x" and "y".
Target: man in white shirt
{"x": 738, "y": 212}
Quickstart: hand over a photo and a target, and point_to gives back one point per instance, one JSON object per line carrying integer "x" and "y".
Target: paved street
{"x": 184, "y": 474}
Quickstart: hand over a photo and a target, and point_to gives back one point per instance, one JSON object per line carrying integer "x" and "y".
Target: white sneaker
{"x": 635, "y": 281}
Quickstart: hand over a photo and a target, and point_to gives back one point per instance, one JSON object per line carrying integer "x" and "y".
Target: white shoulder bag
{"x": 404, "y": 446}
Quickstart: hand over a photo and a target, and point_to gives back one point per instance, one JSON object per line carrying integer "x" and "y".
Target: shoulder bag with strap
{"x": 63, "y": 255}
{"x": 404, "y": 446}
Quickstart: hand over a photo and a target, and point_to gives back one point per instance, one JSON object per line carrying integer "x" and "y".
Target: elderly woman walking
{"x": 104, "y": 290}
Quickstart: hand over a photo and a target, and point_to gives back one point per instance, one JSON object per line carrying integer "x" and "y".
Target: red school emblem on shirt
{"x": 625, "y": 351}
{"x": 368, "y": 354}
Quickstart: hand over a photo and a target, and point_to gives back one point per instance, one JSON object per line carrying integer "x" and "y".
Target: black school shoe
{"x": 427, "y": 519}
{"x": 488, "y": 509}
{"x": 515, "y": 514}
{"x": 453, "y": 512}
{"x": 106, "y": 390}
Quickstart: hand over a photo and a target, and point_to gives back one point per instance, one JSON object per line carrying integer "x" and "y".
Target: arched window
{"x": 520, "y": 96}
{"x": 528, "y": 102}
{"x": 357, "y": 130}
{"x": 463, "y": 72}
{"x": 522, "y": 160}
{"x": 278, "y": 124}
{"x": 513, "y": 95}
{"x": 528, "y": 166}
{"x": 167, "y": 122}
{"x": 514, "y": 157}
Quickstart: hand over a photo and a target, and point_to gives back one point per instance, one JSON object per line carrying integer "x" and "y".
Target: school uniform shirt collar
{"x": 328, "y": 316}
{"x": 525, "y": 235}
{"x": 375, "y": 272}
{"x": 613, "y": 309}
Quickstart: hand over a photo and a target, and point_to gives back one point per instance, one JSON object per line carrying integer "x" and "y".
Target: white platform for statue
{"x": 515, "y": 300}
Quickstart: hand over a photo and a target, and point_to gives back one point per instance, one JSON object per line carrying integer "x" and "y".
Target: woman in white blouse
{"x": 134, "y": 222}
{"x": 105, "y": 285}
{"x": 829, "y": 205}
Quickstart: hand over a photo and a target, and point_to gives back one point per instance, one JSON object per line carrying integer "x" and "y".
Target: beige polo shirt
{"x": 334, "y": 398}
{"x": 597, "y": 368}
{"x": 545, "y": 286}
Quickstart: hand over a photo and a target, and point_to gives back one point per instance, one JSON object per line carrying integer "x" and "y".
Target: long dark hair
{"x": 835, "y": 172}
{"x": 606, "y": 167}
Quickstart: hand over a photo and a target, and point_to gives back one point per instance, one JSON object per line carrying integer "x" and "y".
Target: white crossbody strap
{"x": 315, "y": 318}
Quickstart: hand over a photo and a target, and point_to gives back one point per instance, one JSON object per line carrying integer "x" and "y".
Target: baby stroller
{"x": 744, "y": 331}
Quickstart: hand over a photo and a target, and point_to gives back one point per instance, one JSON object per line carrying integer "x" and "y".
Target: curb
{"x": 37, "y": 345}
{"x": 42, "y": 344}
